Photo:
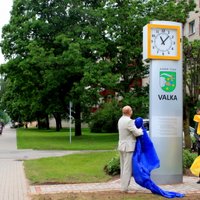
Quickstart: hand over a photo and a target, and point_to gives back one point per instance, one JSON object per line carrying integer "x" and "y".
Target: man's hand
{"x": 139, "y": 122}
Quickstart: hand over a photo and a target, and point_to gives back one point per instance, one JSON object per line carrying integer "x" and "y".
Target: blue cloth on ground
{"x": 144, "y": 160}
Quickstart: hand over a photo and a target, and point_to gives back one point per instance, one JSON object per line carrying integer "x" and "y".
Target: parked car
{"x": 16, "y": 124}
{"x": 193, "y": 145}
{"x": 146, "y": 124}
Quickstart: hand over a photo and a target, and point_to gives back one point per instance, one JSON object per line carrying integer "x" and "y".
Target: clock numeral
{"x": 163, "y": 30}
{"x": 157, "y": 31}
{"x": 153, "y": 35}
{"x": 168, "y": 52}
{"x": 163, "y": 53}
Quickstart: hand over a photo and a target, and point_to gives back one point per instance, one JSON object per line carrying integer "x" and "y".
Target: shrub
{"x": 113, "y": 166}
{"x": 188, "y": 159}
{"x": 105, "y": 119}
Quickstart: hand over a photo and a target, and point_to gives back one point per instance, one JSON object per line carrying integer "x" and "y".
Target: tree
{"x": 61, "y": 51}
{"x": 43, "y": 63}
{"x": 120, "y": 60}
{"x": 191, "y": 84}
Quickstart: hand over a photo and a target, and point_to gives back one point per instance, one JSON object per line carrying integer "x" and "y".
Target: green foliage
{"x": 61, "y": 51}
{"x": 138, "y": 100}
{"x": 191, "y": 83}
{"x": 171, "y": 10}
{"x": 113, "y": 166}
{"x": 188, "y": 159}
{"x": 191, "y": 76}
{"x": 4, "y": 117}
{"x": 105, "y": 119}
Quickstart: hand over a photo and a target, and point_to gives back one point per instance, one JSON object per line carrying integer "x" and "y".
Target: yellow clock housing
{"x": 163, "y": 42}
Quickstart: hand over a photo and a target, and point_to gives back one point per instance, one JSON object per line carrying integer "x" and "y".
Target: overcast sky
{"x": 5, "y": 8}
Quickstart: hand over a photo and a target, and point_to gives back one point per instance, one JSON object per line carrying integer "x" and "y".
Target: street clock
{"x": 162, "y": 42}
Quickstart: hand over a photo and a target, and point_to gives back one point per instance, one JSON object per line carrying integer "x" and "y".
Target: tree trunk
{"x": 77, "y": 117}
{"x": 58, "y": 121}
{"x": 47, "y": 122}
{"x": 186, "y": 123}
{"x": 43, "y": 122}
{"x": 38, "y": 122}
{"x": 186, "y": 111}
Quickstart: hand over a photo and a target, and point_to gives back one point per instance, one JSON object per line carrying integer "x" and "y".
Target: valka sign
{"x": 167, "y": 84}
{"x": 167, "y": 97}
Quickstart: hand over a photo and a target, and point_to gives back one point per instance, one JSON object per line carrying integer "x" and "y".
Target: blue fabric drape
{"x": 145, "y": 159}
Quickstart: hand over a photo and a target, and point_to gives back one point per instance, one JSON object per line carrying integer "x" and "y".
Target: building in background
{"x": 191, "y": 29}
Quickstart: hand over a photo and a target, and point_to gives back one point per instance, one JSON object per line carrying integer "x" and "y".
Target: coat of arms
{"x": 167, "y": 81}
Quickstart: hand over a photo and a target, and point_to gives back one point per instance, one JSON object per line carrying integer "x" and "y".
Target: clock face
{"x": 164, "y": 42}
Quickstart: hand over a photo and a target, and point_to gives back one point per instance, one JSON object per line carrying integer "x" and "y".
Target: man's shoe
{"x": 198, "y": 182}
{"x": 124, "y": 190}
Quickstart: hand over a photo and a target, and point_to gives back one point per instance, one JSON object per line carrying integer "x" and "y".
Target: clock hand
{"x": 163, "y": 42}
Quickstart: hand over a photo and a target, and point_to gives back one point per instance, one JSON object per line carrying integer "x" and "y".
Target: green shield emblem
{"x": 167, "y": 81}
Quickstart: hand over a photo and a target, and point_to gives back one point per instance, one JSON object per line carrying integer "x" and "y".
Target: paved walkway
{"x": 187, "y": 187}
{"x": 14, "y": 186}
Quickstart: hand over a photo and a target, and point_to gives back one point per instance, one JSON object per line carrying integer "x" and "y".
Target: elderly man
{"x": 126, "y": 146}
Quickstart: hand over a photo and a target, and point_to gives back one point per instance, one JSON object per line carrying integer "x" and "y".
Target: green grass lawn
{"x": 76, "y": 168}
{"x": 52, "y": 140}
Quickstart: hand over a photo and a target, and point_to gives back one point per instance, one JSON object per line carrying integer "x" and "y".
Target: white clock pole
{"x": 166, "y": 100}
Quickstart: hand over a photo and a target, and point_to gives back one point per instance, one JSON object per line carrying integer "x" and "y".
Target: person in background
{"x": 197, "y": 129}
{"x": 197, "y": 133}
{"x": 126, "y": 145}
